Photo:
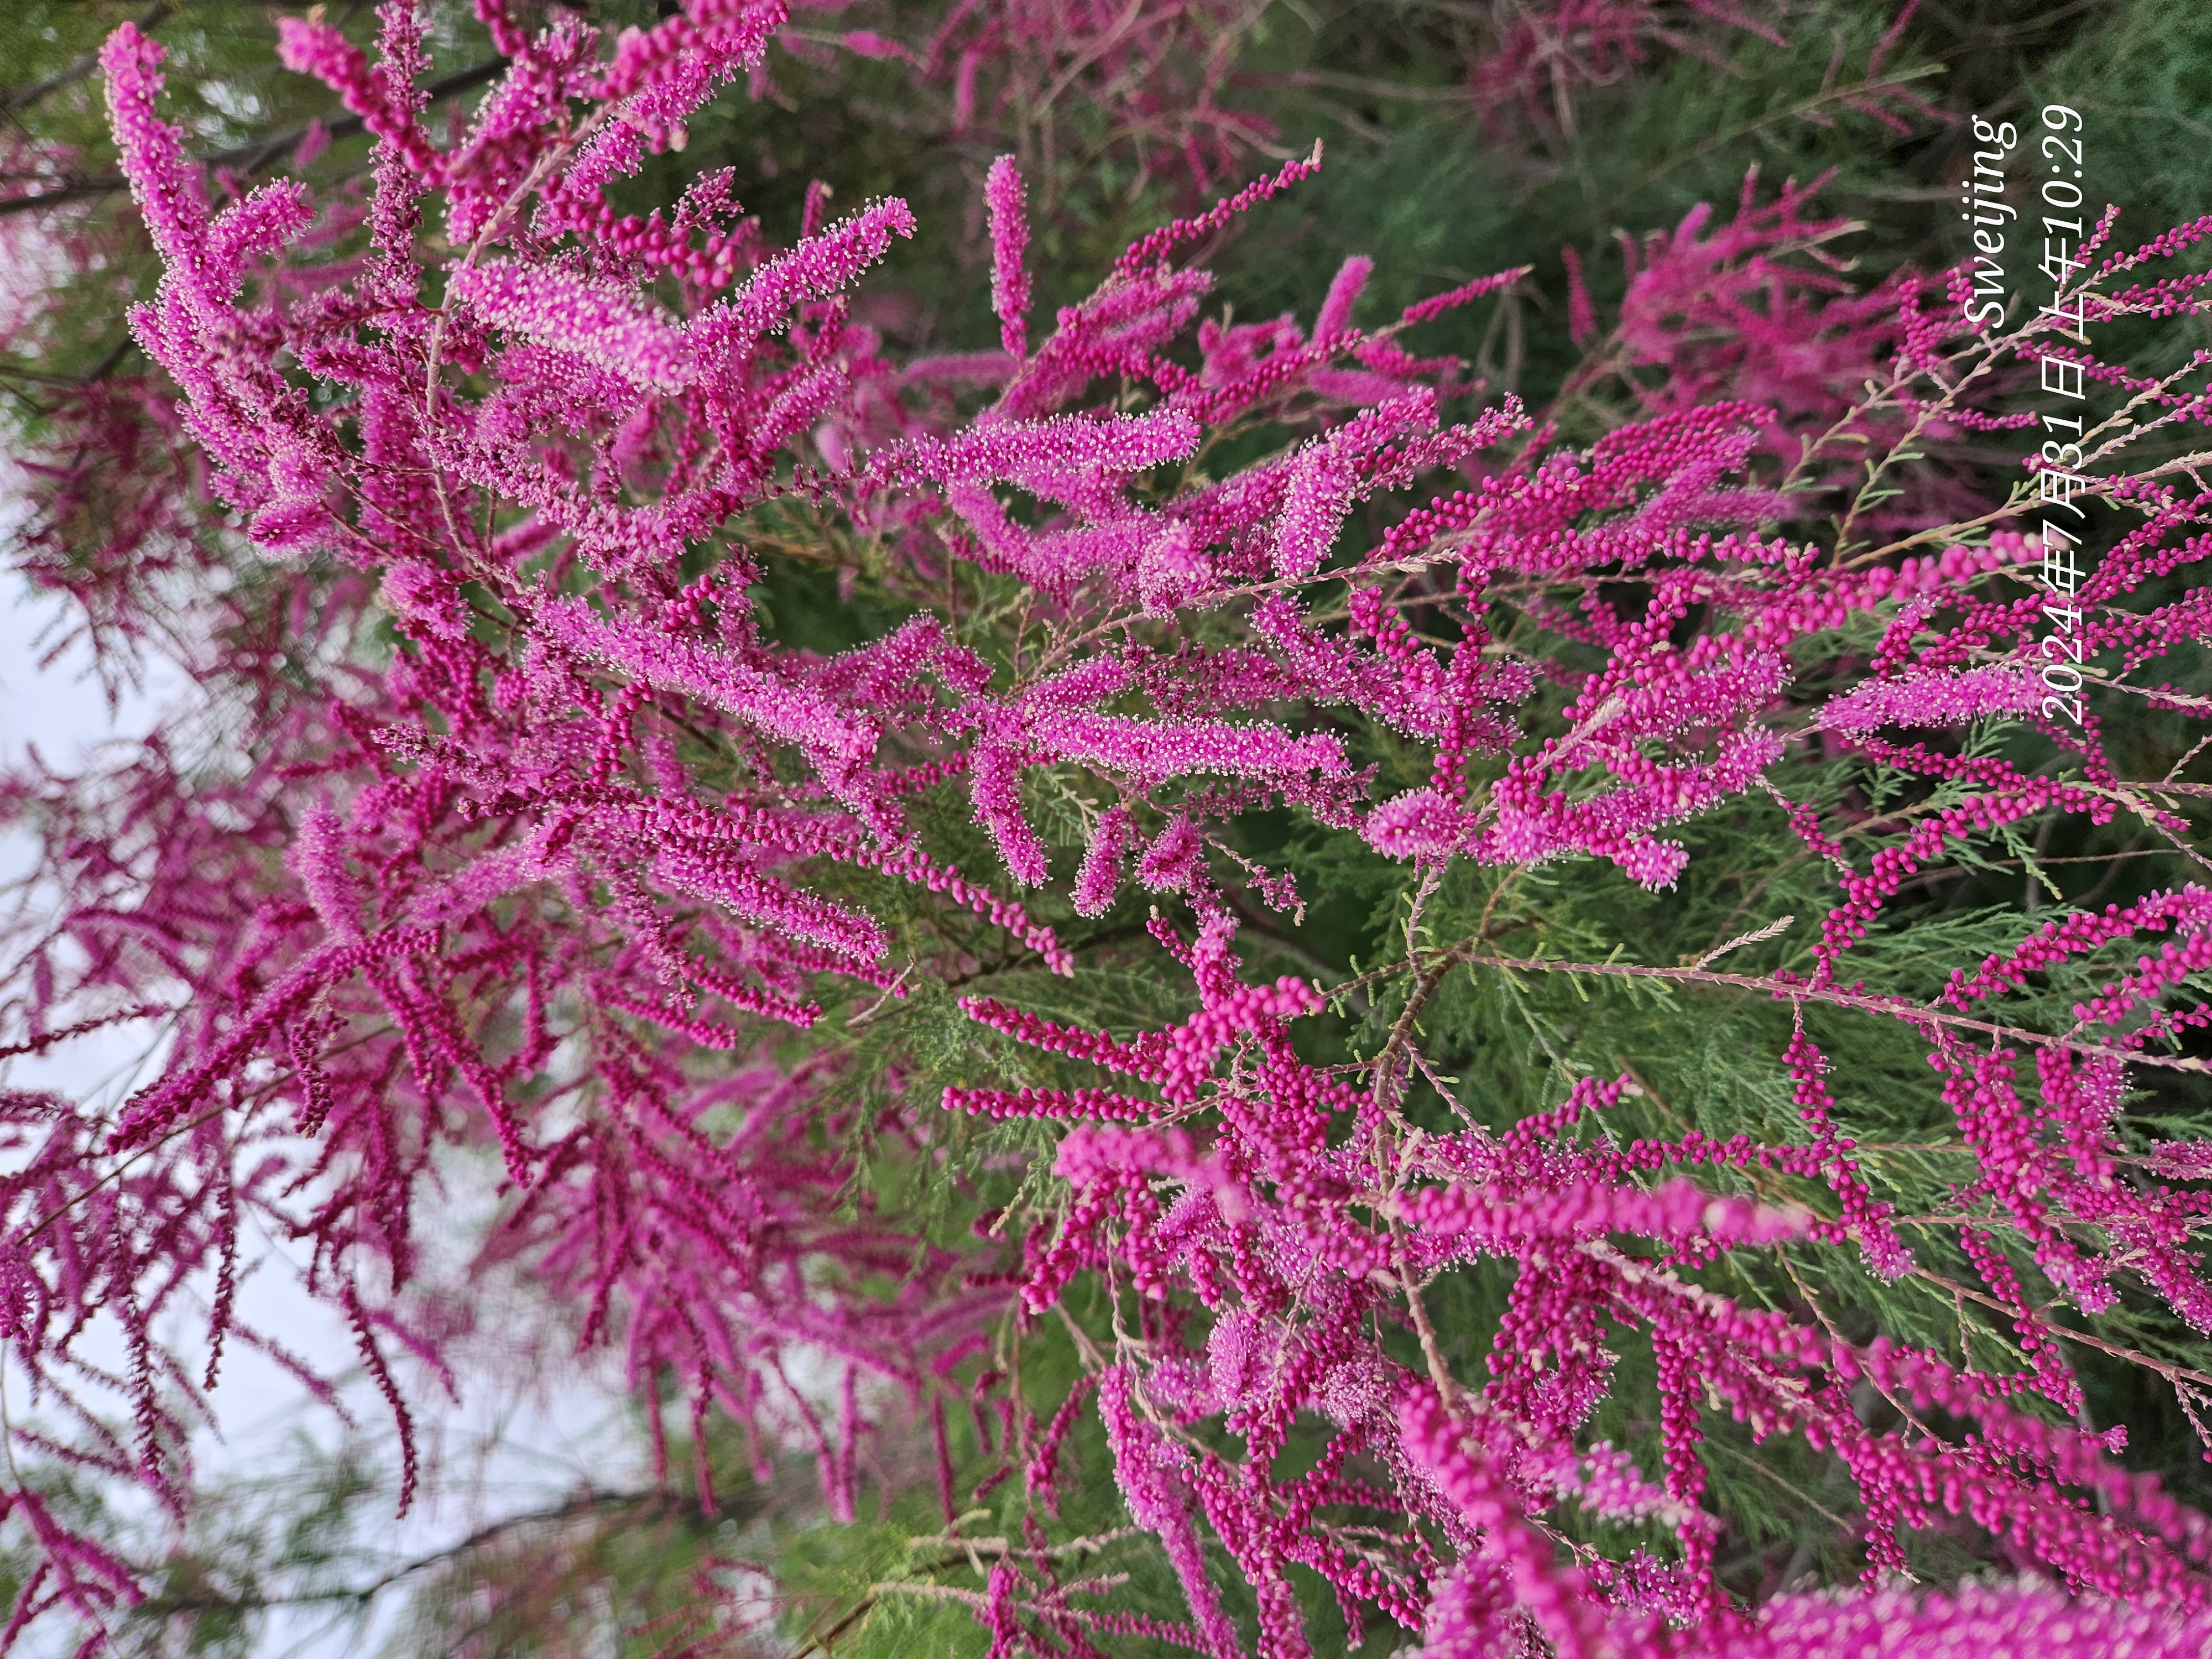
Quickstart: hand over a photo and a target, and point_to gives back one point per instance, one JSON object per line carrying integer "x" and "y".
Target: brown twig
{"x": 249, "y": 157}
{"x": 1834, "y": 997}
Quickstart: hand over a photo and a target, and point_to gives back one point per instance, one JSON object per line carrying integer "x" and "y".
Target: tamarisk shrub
{"x": 538, "y": 836}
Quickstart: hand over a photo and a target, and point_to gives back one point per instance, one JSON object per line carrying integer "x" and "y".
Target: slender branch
{"x": 1386, "y": 1063}
{"x": 1840, "y": 998}
{"x": 15, "y": 99}
{"x": 1803, "y": 106}
{"x": 584, "y": 1505}
{"x": 247, "y": 158}
{"x": 2166, "y": 1369}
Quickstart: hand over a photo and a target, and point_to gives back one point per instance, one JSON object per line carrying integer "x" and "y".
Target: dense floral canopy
{"x": 544, "y": 838}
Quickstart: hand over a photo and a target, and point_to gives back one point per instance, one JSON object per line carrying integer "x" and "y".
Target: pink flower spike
{"x": 820, "y": 266}
{"x": 1151, "y": 247}
{"x": 1419, "y": 825}
{"x": 1334, "y": 318}
{"x": 866, "y": 43}
{"x": 1582, "y": 315}
{"x": 1010, "y": 240}
{"x": 667, "y": 71}
{"x": 1933, "y": 699}
{"x": 603, "y": 323}
{"x": 1101, "y": 875}
{"x": 994, "y": 787}
{"x": 311, "y": 46}
{"x": 1436, "y": 305}
{"x": 1557, "y": 1597}
{"x": 787, "y": 713}
{"x": 166, "y": 187}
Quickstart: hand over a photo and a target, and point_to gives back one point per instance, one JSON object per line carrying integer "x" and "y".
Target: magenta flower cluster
{"x": 545, "y": 877}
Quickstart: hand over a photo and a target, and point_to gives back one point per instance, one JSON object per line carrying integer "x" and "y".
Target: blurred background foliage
{"x": 1462, "y": 137}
